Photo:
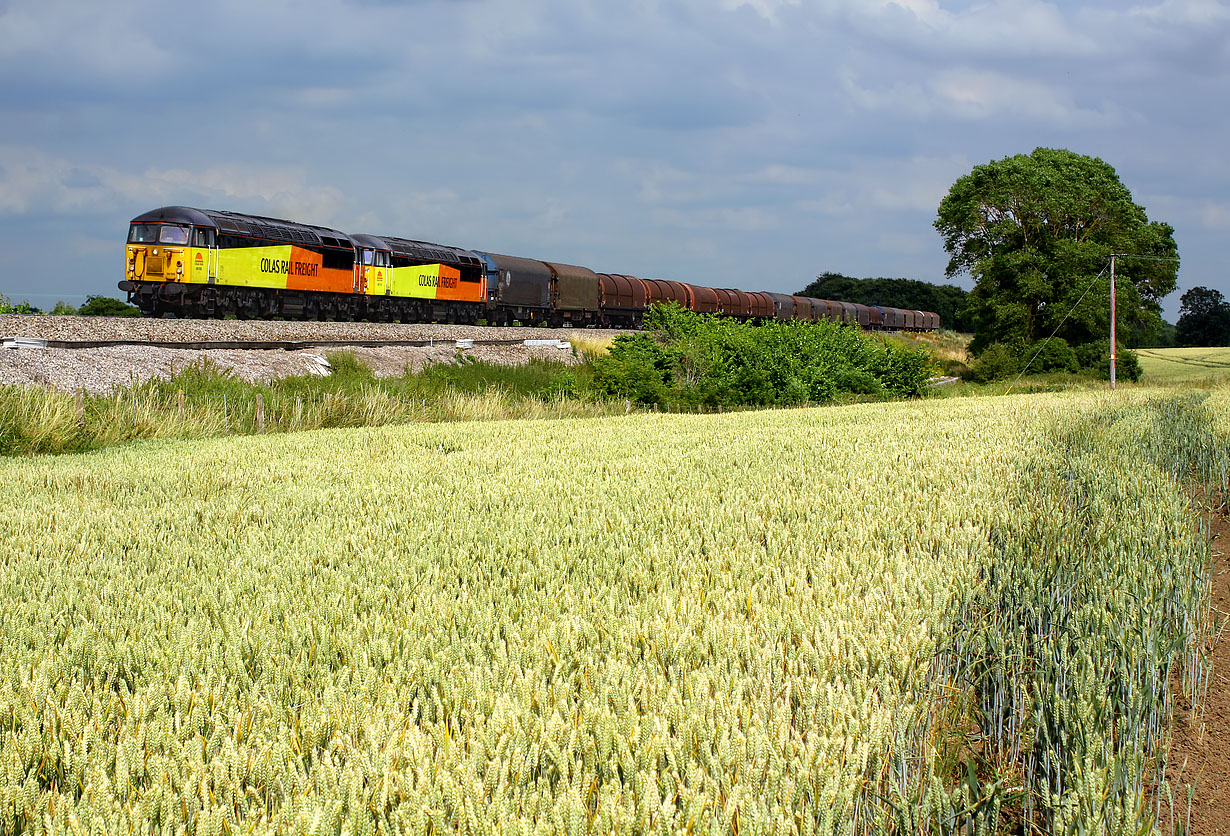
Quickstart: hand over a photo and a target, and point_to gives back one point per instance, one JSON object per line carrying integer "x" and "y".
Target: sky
{"x": 744, "y": 143}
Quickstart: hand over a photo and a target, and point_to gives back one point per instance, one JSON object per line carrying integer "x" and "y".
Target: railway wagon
{"x": 622, "y": 300}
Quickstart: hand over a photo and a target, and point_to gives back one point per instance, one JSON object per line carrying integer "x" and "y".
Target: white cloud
{"x": 1183, "y": 12}
{"x": 1003, "y": 28}
{"x": 977, "y": 93}
{"x": 105, "y": 40}
{"x": 34, "y": 182}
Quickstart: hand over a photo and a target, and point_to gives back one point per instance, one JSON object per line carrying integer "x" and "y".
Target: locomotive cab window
{"x": 143, "y": 234}
{"x": 203, "y": 238}
{"x": 173, "y": 234}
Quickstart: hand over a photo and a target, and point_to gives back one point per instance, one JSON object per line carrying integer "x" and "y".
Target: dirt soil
{"x": 1200, "y": 751}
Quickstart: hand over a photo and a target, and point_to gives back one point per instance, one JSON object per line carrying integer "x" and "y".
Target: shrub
{"x": 636, "y": 367}
{"x": 106, "y": 306}
{"x": 1053, "y": 355}
{"x": 685, "y": 359}
{"x": 996, "y": 362}
{"x": 1094, "y": 358}
{"x": 7, "y": 305}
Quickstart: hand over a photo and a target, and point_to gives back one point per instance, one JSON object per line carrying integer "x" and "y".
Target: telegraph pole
{"x": 1113, "y": 256}
{"x": 1112, "y": 322}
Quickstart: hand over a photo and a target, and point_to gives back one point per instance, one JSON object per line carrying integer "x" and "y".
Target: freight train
{"x": 207, "y": 263}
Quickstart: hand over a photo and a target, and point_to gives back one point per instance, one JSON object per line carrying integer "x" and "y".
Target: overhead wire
{"x": 1057, "y": 327}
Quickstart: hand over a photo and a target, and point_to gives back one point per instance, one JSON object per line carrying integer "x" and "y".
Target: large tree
{"x": 1204, "y": 318}
{"x": 1034, "y": 231}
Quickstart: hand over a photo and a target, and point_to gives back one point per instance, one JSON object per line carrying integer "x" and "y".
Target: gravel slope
{"x": 198, "y": 330}
{"x": 100, "y": 370}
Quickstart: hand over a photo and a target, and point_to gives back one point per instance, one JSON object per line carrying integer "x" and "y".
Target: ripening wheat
{"x": 650, "y": 624}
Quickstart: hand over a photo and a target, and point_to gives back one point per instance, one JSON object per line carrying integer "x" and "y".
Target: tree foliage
{"x": 1204, "y": 318}
{"x": 107, "y": 306}
{"x": 946, "y": 300}
{"x": 1035, "y": 231}
{"x": 8, "y": 306}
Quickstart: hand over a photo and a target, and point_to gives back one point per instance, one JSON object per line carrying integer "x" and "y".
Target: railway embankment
{"x": 129, "y": 356}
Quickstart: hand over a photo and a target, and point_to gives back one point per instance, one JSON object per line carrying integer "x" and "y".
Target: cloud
{"x": 658, "y": 135}
{"x": 1183, "y": 12}
{"x": 32, "y": 181}
{"x": 1004, "y": 29}
{"x": 1214, "y": 215}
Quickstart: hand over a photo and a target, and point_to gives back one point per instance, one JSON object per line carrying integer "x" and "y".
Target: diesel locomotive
{"x": 190, "y": 262}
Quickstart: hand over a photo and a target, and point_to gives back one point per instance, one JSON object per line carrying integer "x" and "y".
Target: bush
{"x": 1053, "y": 355}
{"x": 106, "y": 306}
{"x": 996, "y": 362}
{"x": 636, "y": 367}
{"x": 7, "y": 305}
{"x": 1000, "y": 361}
{"x": 1094, "y": 358}
{"x": 688, "y": 360}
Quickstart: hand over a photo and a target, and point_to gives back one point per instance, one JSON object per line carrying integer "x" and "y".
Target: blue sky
{"x": 751, "y": 144}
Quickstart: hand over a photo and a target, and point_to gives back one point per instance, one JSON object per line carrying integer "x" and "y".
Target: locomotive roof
{"x": 257, "y": 226}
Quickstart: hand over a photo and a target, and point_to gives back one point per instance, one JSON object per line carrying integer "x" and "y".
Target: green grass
{"x": 1185, "y": 365}
{"x": 202, "y": 401}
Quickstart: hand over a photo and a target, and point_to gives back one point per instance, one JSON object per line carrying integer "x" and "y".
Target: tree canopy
{"x": 1204, "y": 318}
{"x": 107, "y": 306}
{"x": 1035, "y": 231}
{"x": 946, "y": 300}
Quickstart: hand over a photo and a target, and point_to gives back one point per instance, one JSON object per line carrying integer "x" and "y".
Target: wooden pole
{"x": 1112, "y": 322}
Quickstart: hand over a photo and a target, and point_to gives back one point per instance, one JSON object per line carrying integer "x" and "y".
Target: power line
{"x": 1111, "y": 266}
{"x": 1088, "y": 288}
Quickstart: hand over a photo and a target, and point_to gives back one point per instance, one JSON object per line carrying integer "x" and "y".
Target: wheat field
{"x": 612, "y": 625}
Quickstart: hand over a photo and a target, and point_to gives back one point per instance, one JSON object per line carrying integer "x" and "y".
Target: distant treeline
{"x": 946, "y": 300}
{"x": 94, "y": 306}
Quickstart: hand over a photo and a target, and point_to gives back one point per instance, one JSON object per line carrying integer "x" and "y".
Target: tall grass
{"x": 202, "y": 401}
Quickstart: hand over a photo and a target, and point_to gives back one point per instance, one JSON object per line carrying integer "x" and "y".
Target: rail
{"x": 268, "y": 345}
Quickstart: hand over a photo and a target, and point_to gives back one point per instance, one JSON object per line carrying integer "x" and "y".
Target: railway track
{"x": 98, "y": 332}
{"x": 100, "y": 354}
{"x": 265, "y": 345}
